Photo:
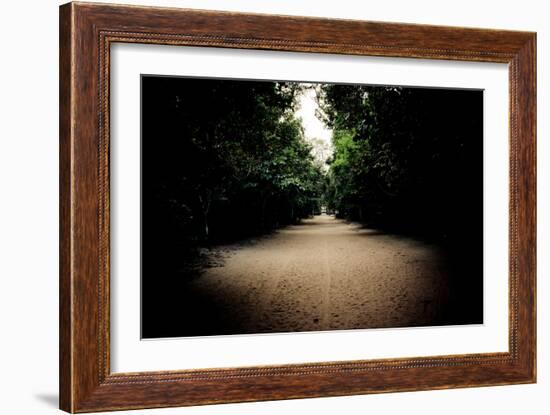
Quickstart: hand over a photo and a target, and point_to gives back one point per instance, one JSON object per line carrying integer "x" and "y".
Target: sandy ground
{"x": 323, "y": 274}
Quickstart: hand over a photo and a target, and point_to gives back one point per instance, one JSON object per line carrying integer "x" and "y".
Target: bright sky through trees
{"x": 315, "y": 131}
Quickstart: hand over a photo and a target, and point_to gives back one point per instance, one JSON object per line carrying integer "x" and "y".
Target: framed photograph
{"x": 258, "y": 207}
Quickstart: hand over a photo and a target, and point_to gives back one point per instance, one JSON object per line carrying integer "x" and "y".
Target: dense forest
{"x": 406, "y": 159}
{"x": 222, "y": 160}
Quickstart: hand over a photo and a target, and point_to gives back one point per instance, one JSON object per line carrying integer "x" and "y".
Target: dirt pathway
{"x": 322, "y": 274}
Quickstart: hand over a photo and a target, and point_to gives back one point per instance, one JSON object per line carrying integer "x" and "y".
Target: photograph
{"x": 275, "y": 206}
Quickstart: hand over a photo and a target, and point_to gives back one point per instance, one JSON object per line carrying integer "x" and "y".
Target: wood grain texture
{"x": 65, "y": 138}
{"x": 86, "y": 33}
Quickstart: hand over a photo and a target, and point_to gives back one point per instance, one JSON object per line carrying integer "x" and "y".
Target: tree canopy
{"x": 222, "y": 159}
{"x": 407, "y": 159}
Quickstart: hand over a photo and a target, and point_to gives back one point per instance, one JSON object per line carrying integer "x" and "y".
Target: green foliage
{"x": 404, "y": 155}
{"x": 224, "y": 159}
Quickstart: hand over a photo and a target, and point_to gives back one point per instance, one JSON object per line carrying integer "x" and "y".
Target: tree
{"x": 222, "y": 160}
{"x": 407, "y": 159}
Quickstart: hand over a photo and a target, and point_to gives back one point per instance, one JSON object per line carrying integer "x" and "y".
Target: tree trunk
{"x": 205, "y": 207}
{"x": 206, "y": 232}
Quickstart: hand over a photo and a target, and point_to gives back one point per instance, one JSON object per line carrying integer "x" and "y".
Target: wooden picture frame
{"x": 86, "y": 33}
